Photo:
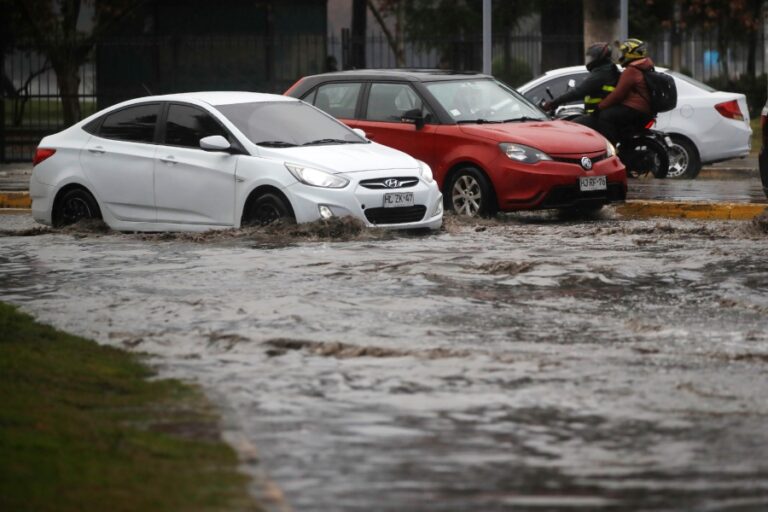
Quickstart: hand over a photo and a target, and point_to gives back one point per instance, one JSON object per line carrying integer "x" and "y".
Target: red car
{"x": 489, "y": 148}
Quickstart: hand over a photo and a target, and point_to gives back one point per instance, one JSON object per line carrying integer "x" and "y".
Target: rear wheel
{"x": 643, "y": 156}
{"x": 684, "y": 161}
{"x": 470, "y": 193}
{"x": 74, "y": 205}
{"x": 268, "y": 208}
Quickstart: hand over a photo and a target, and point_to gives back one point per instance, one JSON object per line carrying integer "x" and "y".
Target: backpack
{"x": 662, "y": 91}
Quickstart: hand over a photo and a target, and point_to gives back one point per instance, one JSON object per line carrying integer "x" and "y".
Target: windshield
{"x": 287, "y": 124}
{"x": 483, "y": 101}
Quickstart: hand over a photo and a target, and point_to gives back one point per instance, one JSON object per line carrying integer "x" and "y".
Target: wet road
{"x": 724, "y": 187}
{"x": 528, "y": 363}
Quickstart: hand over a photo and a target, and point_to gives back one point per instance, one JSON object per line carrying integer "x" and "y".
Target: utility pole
{"x": 624, "y": 20}
{"x": 487, "y": 37}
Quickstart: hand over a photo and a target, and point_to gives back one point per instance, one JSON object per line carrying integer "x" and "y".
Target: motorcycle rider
{"x": 629, "y": 103}
{"x": 601, "y": 80}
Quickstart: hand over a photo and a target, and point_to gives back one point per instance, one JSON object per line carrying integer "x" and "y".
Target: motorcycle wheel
{"x": 645, "y": 156}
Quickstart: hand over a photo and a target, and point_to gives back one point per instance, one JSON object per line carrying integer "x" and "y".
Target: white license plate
{"x": 398, "y": 199}
{"x": 588, "y": 183}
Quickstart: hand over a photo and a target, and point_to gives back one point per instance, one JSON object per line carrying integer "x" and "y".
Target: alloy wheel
{"x": 74, "y": 209}
{"x": 467, "y": 196}
{"x": 678, "y": 161}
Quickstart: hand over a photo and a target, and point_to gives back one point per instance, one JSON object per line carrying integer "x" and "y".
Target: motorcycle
{"x": 643, "y": 150}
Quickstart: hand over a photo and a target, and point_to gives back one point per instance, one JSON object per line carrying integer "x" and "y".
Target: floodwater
{"x": 526, "y": 363}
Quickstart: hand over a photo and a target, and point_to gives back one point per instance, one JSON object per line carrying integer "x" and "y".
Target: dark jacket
{"x": 598, "y": 84}
{"x": 632, "y": 91}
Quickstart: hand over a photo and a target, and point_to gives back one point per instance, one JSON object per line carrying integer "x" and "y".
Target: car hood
{"x": 343, "y": 158}
{"x": 551, "y": 137}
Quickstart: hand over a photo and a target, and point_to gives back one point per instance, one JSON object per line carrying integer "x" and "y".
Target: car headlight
{"x": 425, "y": 171}
{"x": 521, "y": 153}
{"x": 316, "y": 177}
{"x": 610, "y": 149}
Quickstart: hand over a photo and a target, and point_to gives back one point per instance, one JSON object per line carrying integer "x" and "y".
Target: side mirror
{"x": 571, "y": 83}
{"x": 415, "y": 116}
{"x": 360, "y": 132}
{"x": 215, "y": 143}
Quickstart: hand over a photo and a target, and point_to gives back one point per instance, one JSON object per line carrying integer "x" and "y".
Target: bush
{"x": 754, "y": 88}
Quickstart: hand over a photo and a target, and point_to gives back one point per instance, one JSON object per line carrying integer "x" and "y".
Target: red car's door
{"x": 383, "y": 122}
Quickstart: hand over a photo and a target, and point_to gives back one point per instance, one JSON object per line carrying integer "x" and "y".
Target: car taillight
{"x": 42, "y": 154}
{"x": 730, "y": 109}
{"x": 763, "y": 118}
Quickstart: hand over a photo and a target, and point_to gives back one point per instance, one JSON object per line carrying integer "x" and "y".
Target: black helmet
{"x": 597, "y": 54}
{"x": 632, "y": 49}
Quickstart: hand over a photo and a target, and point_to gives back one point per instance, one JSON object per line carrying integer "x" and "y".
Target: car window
{"x": 287, "y": 123}
{"x": 691, "y": 81}
{"x": 558, "y": 86}
{"x": 388, "y": 102}
{"x": 186, "y": 125}
{"x": 482, "y": 100}
{"x": 134, "y": 124}
{"x": 339, "y": 99}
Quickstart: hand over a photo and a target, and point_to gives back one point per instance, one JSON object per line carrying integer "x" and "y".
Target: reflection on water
{"x": 526, "y": 363}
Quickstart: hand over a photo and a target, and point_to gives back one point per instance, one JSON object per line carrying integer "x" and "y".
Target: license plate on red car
{"x": 398, "y": 199}
{"x": 589, "y": 183}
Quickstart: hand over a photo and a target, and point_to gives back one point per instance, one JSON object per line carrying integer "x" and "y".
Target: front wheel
{"x": 470, "y": 194}
{"x": 268, "y": 208}
{"x": 74, "y": 205}
{"x": 644, "y": 155}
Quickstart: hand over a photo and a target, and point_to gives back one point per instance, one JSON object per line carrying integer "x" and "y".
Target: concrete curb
{"x": 691, "y": 210}
{"x": 10, "y": 200}
{"x": 19, "y": 202}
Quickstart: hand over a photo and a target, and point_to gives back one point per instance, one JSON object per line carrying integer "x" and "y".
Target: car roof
{"x": 217, "y": 97}
{"x": 407, "y": 74}
{"x": 563, "y": 71}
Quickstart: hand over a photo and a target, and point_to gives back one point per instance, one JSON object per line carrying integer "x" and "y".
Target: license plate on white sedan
{"x": 589, "y": 183}
{"x": 398, "y": 199}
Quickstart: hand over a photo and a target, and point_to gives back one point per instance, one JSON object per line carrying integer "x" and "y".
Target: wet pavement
{"x": 524, "y": 363}
{"x": 714, "y": 186}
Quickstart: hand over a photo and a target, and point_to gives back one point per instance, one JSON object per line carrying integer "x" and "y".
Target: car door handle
{"x": 170, "y": 160}
{"x": 99, "y": 150}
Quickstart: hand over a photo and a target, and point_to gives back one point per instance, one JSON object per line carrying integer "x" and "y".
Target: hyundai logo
{"x": 586, "y": 162}
{"x": 391, "y": 183}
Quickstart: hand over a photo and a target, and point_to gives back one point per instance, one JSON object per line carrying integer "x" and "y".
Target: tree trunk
{"x": 68, "y": 78}
{"x": 601, "y": 21}
{"x": 359, "y": 19}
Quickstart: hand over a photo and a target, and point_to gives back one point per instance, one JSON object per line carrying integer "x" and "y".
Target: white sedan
{"x": 707, "y": 125}
{"x": 197, "y": 161}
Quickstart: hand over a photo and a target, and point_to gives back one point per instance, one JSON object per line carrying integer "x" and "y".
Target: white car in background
{"x": 197, "y": 161}
{"x": 707, "y": 126}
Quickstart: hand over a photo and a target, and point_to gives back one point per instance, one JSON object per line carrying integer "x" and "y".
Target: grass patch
{"x": 82, "y": 428}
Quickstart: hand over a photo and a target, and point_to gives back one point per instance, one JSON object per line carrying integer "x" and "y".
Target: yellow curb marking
{"x": 688, "y": 210}
{"x": 15, "y": 200}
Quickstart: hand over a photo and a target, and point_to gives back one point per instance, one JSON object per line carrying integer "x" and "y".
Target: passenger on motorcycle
{"x": 601, "y": 80}
{"x": 628, "y": 105}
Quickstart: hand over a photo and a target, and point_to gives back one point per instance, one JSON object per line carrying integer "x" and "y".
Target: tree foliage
{"x": 452, "y": 27}
{"x": 57, "y": 32}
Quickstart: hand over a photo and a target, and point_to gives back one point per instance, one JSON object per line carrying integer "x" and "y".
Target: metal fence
{"x": 30, "y": 106}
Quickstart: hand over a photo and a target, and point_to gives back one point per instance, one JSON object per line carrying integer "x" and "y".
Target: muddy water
{"x": 527, "y": 363}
